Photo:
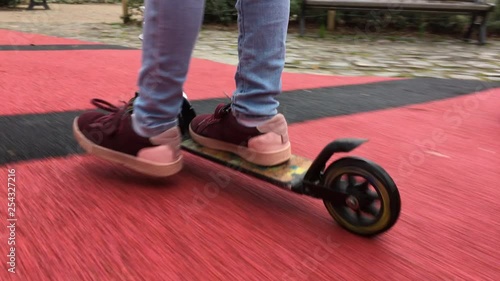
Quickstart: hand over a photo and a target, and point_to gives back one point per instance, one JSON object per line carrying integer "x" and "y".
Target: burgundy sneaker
{"x": 110, "y": 136}
{"x": 265, "y": 145}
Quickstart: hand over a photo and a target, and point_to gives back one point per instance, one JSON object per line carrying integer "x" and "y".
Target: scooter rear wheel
{"x": 373, "y": 203}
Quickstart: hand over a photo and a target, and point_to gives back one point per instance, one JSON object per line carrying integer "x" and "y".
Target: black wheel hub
{"x": 362, "y": 205}
{"x": 352, "y": 202}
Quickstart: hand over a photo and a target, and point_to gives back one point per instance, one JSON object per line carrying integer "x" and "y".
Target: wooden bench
{"x": 478, "y": 9}
{"x": 34, "y": 3}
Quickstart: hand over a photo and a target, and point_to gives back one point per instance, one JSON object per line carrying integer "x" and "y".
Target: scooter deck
{"x": 287, "y": 175}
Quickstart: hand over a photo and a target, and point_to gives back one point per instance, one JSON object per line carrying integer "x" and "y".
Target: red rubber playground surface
{"x": 80, "y": 218}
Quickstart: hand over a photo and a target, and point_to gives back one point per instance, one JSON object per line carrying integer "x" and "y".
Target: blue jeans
{"x": 170, "y": 32}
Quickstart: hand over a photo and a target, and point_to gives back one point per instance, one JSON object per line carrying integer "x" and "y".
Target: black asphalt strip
{"x": 37, "y": 136}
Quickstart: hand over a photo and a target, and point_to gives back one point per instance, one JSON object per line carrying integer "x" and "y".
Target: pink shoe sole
{"x": 142, "y": 166}
{"x": 270, "y": 158}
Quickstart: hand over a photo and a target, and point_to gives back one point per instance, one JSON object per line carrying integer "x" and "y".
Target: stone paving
{"x": 364, "y": 54}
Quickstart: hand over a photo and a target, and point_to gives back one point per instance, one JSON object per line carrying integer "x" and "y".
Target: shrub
{"x": 224, "y": 12}
{"x": 220, "y": 11}
{"x": 216, "y": 11}
{"x": 8, "y": 3}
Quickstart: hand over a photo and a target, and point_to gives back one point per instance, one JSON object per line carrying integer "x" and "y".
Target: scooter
{"x": 358, "y": 193}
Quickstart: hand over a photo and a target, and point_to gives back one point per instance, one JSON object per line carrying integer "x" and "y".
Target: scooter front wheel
{"x": 373, "y": 203}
